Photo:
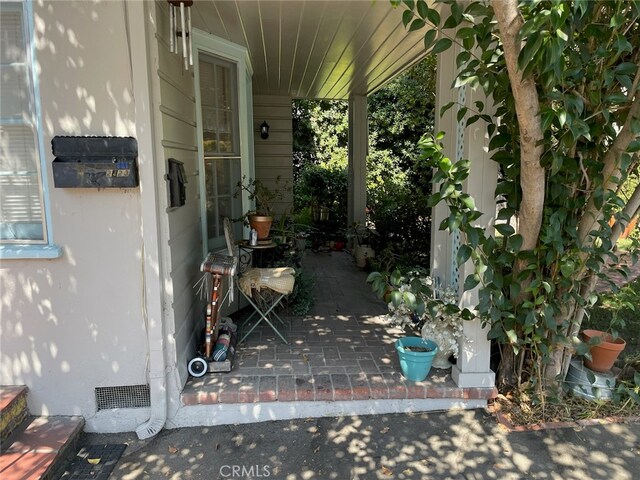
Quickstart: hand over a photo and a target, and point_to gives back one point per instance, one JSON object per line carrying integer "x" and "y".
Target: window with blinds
{"x": 21, "y": 202}
{"x": 220, "y": 141}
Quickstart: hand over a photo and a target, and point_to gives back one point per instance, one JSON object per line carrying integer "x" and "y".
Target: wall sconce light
{"x": 264, "y": 130}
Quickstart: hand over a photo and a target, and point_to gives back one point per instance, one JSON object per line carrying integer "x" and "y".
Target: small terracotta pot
{"x": 262, "y": 225}
{"x": 604, "y": 354}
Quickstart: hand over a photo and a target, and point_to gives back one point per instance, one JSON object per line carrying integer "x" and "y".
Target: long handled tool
{"x": 215, "y": 266}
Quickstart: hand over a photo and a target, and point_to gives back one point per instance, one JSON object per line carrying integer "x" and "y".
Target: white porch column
{"x": 441, "y": 242}
{"x": 472, "y": 368}
{"x": 358, "y": 149}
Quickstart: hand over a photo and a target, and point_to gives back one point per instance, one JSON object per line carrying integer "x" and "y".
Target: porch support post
{"x": 472, "y": 368}
{"x": 358, "y": 148}
{"x": 441, "y": 245}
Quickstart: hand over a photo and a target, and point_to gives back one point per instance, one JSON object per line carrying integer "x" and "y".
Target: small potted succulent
{"x": 283, "y": 230}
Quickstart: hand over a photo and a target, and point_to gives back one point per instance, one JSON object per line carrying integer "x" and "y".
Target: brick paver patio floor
{"x": 342, "y": 350}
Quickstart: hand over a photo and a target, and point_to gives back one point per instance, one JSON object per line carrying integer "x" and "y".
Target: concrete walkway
{"x": 434, "y": 445}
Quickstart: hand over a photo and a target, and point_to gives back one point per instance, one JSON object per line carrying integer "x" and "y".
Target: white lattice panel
{"x": 456, "y": 281}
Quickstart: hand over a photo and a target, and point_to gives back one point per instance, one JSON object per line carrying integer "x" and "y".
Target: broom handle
{"x": 213, "y": 308}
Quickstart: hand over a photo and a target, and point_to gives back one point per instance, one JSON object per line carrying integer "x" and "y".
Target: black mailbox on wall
{"x": 95, "y": 162}
{"x": 177, "y": 180}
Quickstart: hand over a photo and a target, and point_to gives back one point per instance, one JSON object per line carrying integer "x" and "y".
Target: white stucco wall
{"x": 74, "y": 323}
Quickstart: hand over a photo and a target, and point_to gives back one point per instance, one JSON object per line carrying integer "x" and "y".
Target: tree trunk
{"x": 507, "y": 371}
{"x": 631, "y": 209}
{"x": 610, "y": 172}
{"x": 589, "y": 285}
{"x": 532, "y": 175}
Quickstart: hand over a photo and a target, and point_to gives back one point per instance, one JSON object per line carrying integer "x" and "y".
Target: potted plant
{"x": 260, "y": 218}
{"x": 362, "y": 236}
{"x": 316, "y": 180}
{"x": 415, "y": 305}
{"x": 283, "y": 230}
{"x": 416, "y": 356}
{"x": 604, "y": 348}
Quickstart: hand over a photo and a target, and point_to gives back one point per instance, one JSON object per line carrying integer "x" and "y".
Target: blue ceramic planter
{"x": 415, "y": 365}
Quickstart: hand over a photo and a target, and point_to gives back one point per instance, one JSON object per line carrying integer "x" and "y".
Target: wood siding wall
{"x": 185, "y": 240}
{"x": 274, "y": 156}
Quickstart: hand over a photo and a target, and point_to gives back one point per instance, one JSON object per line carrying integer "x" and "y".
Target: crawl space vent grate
{"x": 128, "y": 396}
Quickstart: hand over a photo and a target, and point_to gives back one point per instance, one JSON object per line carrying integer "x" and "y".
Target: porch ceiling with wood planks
{"x": 316, "y": 48}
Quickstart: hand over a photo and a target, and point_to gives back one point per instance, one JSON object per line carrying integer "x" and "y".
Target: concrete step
{"x": 41, "y": 450}
{"x": 13, "y": 409}
{"x": 34, "y": 447}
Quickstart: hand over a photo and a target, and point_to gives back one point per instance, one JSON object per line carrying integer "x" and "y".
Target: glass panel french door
{"x": 220, "y": 144}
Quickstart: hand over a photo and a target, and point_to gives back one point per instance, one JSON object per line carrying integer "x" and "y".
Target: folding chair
{"x": 264, "y": 289}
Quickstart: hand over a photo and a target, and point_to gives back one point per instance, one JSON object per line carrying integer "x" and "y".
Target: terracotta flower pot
{"x": 605, "y": 353}
{"x": 262, "y": 225}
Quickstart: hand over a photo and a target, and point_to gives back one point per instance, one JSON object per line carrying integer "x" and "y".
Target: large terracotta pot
{"x": 261, "y": 224}
{"x": 603, "y": 355}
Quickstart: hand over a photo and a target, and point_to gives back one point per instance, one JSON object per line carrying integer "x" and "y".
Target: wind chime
{"x": 185, "y": 29}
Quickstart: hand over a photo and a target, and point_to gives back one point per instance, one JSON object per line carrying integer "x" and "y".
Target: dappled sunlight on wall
{"x": 75, "y": 323}
{"x": 77, "y": 54}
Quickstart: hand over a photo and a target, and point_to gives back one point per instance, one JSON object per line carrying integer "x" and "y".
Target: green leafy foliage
{"x": 398, "y": 183}
{"x": 584, "y": 58}
{"x": 301, "y": 299}
{"x": 323, "y": 185}
{"x": 619, "y": 312}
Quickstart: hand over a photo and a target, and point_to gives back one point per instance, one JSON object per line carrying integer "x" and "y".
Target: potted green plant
{"x": 406, "y": 295}
{"x": 362, "y": 236}
{"x": 604, "y": 349}
{"x": 283, "y": 230}
{"x": 416, "y": 306}
{"x": 316, "y": 181}
{"x": 260, "y": 218}
{"x": 606, "y": 346}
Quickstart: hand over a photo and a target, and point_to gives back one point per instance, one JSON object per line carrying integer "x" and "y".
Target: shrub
{"x": 323, "y": 186}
